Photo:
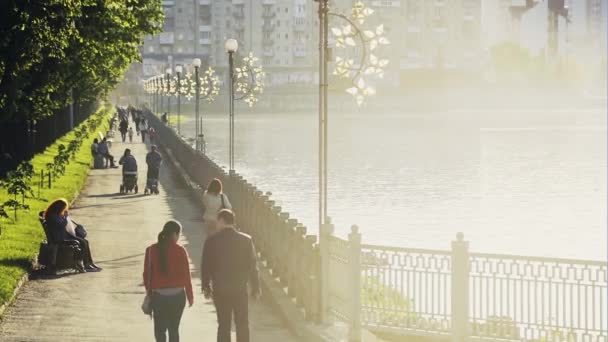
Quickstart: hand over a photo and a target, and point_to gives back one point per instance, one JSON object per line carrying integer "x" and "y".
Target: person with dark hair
{"x": 128, "y": 162}
{"x": 214, "y": 200}
{"x": 123, "y": 128}
{"x": 62, "y": 228}
{"x": 229, "y": 263}
{"x": 104, "y": 150}
{"x": 167, "y": 280}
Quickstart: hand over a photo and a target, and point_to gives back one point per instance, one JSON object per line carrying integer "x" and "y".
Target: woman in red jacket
{"x": 167, "y": 280}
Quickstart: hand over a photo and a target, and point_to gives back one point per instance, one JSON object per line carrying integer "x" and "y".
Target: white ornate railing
{"x": 470, "y": 296}
{"x": 406, "y": 288}
{"x": 537, "y": 299}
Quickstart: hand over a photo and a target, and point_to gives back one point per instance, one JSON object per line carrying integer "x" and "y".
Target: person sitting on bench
{"x": 104, "y": 150}
{"x": 62, "y": 228}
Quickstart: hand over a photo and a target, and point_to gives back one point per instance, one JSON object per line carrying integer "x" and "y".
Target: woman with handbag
{"x": 167, "y": 281}
{"x": 214, "y": 200}
{"x": 63, "y": 228}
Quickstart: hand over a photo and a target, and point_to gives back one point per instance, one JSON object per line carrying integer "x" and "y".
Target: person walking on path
{"x": 229, "y": 263}
{"x": 143, "y": 129}
{"x": 123, "y": 128}
{"x": 130, "y": 134}
{"x": 214, "y": 200}
{"x": 153, "y": 160}
{"x": 136, "y": 120}
{"x": 167, "y": 280}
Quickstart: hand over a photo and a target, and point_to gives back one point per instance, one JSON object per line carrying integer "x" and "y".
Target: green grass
{"x": 20, "y": 240}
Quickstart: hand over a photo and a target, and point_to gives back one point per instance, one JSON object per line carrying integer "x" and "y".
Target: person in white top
{"x": 214, "y": 200}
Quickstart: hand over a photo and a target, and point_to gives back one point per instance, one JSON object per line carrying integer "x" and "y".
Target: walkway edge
{"x": 271, "y": 291}
{"x": 8, "y": 303}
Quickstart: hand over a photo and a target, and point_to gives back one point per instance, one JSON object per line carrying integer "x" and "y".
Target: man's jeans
{"x": 227, "y": 304}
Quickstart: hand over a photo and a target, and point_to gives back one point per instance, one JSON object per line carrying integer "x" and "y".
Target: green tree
{"x": 54, "y": 52}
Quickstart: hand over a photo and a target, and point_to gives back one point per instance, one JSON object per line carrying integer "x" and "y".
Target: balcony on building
{"x": 239, "y": 13}
{"x": 299, "y": 27}
{"x": 205, "y": 13}
{"x": 269, "y": 2}
{"x": 168, "y": 3}
{"x": 205, "y": 35}
{"x": 386, "y": 3}
{"x": 238, "y": 2}
{"x": 299, "y": 51}
{"x": 266, "y": 27}
{"x": 268, "y": 53}
{"x": 166, "y": 38}
{"x": 204, "y": 2}
{"x": 239, "y": 26}
{"x": 268, "y": 14}
{"x": 440, "y": 3}
{"x": 440, "y": 24}
{"x": 267, "y": 41}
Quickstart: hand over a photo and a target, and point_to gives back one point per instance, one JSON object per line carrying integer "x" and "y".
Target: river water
{"x": 526, "y": 182}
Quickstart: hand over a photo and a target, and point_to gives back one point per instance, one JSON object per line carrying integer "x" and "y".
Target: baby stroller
{"x": 152, "y": 181}
{"x": 129, "y": 182}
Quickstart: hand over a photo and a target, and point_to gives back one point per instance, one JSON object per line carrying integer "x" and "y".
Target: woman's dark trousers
{"x": 168, "y": 312}
{"x": 87, "y": 258}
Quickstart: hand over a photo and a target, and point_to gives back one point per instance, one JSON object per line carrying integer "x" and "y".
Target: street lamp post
{"x": 197, "y": 64}
{"x": 168, "y": 73}
{"x": 367, "y": 63}
{"x": 162, "y": 92}
{"x": 231, "y": 47}
{"x": 178, "y": 71}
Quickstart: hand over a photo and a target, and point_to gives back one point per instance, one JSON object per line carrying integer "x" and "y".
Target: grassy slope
{"x": 20, "y": 240}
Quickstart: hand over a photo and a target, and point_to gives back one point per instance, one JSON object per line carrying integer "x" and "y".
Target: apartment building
{"x": 279, "y": 32}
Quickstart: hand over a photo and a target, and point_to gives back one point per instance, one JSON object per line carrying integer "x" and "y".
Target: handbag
{"x": 223, "y": 204}
{"x": 146, "y": 306}
{"x": 80, "y": 231}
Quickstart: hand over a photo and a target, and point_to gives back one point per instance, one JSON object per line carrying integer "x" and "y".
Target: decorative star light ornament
{"x": 249, "y": 80}
{"x": 362, "y": 43}
{"x": 186, "y": 87}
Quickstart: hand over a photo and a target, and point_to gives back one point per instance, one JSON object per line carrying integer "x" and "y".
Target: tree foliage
{"x": 53, "y": 52}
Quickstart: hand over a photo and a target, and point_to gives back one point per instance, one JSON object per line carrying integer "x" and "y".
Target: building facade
{"x": 279, "y": 32}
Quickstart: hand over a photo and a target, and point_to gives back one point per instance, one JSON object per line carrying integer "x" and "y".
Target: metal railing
{"x": 534, "y": 299}
{"x": 471, "y": 296}
{"x": 282, "y": 242}
{"x": 408, "y": 291}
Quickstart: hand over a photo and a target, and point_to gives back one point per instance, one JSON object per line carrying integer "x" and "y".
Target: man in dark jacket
{"x": 229, "y": 263}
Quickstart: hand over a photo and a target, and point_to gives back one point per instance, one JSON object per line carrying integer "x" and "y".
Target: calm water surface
{"x": 526, "y": 182}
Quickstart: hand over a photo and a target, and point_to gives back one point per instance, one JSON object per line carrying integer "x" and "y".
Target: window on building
{"x": 286, "y": 35}
{"x": 205, "y": 35}
{"x": 151, "y": 49}
{"x": 286, "y": 9}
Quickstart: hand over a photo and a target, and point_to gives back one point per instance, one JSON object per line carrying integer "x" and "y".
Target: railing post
{"x": 354, "y": 243}
{"x": 460, "y": 289}
{"x": 326, "y": 231}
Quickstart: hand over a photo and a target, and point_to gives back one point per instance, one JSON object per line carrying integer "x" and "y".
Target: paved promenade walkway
{"x": 105, "y": 306}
